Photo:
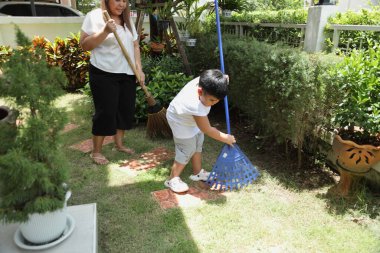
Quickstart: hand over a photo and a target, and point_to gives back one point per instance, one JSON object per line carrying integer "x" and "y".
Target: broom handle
{"x": 222, "y": 63}
{"x": 124, "y": 50}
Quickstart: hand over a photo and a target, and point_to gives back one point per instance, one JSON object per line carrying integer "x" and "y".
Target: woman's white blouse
{"x": 108, "y": 56}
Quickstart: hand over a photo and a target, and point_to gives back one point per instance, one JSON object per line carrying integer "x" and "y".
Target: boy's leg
{"x": 184, "y": 149}
{"x": 198, "y": 173}
{"x": 177, "y": 169}
{"x": 196, "y": 162}
{"x": 174, "y": 182}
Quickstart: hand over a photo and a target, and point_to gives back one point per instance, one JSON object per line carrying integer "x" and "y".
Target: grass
{"x": 281, "y": 212}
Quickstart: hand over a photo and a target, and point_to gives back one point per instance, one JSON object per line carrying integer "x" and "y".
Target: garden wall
{"x": 48, "y": 27}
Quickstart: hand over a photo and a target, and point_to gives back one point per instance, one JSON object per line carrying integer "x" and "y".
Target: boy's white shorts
{"x": 185, "y": 148}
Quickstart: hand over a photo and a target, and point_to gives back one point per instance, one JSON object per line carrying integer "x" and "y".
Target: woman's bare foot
{"x": 99, "y": 159}
{"x": 124, "y": 150}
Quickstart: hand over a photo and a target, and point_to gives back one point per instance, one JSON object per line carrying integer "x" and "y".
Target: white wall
{"x": 49, "y": 27}
{"x": 356, "y": 5}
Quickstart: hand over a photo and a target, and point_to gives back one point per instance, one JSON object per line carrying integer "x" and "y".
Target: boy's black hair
{"x": 214, "y": 83}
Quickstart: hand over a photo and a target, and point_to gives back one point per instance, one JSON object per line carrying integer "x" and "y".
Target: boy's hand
{"x": 228, "y": 78}
{"x": 230, "y": 139}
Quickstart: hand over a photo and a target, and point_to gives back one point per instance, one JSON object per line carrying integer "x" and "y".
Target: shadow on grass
{"x": 361, "y": 200}
{"x": 129, "y": 218}
{"x": 312, "y": 176}
{"x": 317, "y": 178}
{"x": 269, "y": 157}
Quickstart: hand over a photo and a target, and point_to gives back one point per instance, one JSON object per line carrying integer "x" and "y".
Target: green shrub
{"x": 290, "y": 36}
{"x": 359, "y": 85}
{"x": 163, "y": 86}
{"x": 298, "y": 16}
{"x": 266, "y": 5}
{"x": 5, "y": 53}
{"x": 283, "y": 91}
{"x": 204, "y": 55}
{"x": 233, "y": 5}
{"x": 65, "y": 53}
{"x": 33, "y": 170}
{"x": 68, "y": 54}
{"x": 168, "y": 63}
{"x": 354, "y": 39}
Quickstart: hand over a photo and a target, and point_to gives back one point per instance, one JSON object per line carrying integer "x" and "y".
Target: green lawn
{"x": 279, "y": 213}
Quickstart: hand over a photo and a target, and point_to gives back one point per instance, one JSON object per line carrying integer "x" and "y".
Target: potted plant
{"x": 183, "y": 31}
{"x": 228, "y": 6}
{"x": 157, "y": 45}
{"x": 356, "y": 146}
{"x": 33, "y": 170}
{"x": 191, "y": 14}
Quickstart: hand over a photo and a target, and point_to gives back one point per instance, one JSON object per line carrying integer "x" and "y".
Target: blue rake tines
{"x": 232, "y": 170}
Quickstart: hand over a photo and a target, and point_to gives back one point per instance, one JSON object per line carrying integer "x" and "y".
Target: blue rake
{"x": 232, "y": 169}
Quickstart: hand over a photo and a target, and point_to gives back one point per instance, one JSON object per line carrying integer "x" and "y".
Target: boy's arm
{"x": 204, "y": 125}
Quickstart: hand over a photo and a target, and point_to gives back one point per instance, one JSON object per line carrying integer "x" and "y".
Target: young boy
{"x": 187, "y": 117}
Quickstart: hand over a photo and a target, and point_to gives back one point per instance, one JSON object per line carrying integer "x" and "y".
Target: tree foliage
{"x": 33, "y": 170}
{"x": 262, "y": 5}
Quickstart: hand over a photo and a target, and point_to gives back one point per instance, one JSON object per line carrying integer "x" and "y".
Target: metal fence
{"x": 290, "y": 34}
{"x": 294, "y": 34}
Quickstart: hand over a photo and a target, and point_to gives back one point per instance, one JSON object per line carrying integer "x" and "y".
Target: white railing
{"x": 240, "y": 31}
{"x": 338, "y": 28}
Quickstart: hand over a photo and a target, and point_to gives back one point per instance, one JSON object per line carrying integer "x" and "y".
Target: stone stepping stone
{"x": 193, "y": 197}
{"x": 69, "y": 127}
{"x": 148, "y": 160}
{"x": 86, "y": 146}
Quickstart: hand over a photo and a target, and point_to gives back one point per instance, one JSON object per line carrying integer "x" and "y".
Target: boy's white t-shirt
{"x": 108, "y": 55}
{"x": 182, "y": 109}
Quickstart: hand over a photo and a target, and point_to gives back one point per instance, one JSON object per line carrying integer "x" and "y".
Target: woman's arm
{"x": 138, "y": 60}
{"x": 89, "y": 42}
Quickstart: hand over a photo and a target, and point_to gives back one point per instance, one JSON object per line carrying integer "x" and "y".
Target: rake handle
{"x": 125, "y": 53}
{"x": 220, "y": 45}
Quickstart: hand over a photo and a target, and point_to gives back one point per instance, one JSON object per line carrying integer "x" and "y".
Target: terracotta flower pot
{"x": 157, "y": 47}
{"x": 352, "y": 160}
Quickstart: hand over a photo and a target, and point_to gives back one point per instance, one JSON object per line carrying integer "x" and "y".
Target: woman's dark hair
{"x": 125, "y": 16}
{"x": 214, "y": 83}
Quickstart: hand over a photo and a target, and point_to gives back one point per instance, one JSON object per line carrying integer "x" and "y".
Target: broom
{"x": 157, "y": 124}
{"x": 232, "y": 169}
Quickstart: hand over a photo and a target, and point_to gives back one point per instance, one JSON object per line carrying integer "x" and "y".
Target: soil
{"x": 277, "y": 160}
{"x": 280, "y": 162}
{"x": 361, "y": 138}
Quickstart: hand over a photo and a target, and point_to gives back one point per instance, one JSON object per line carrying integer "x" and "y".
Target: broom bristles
{"x": 157, "y": 125}
{"x": 232, "y": 170}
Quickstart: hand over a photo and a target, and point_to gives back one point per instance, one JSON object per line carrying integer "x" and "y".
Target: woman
{"x": 112, "y": 81}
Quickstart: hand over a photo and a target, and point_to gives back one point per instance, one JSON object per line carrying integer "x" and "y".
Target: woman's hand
{"x": 142, "y": 77}
{"x": 110, "y": 26}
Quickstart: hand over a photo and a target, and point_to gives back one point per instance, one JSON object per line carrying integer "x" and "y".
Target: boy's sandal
{"x": 99, "y": 159}
{"x": 124, "y": 150}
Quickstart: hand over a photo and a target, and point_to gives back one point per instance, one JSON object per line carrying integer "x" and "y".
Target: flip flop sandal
{"x": 99, "y": 159}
